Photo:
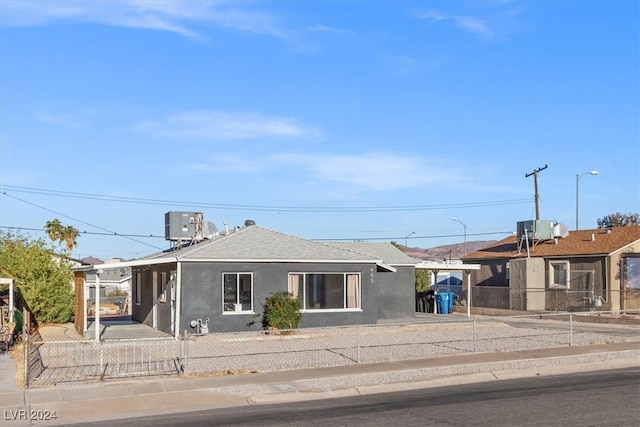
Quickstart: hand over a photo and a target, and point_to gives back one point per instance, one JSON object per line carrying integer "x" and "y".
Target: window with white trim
{"x": 559, "y": 274}
{"x": 237, "y": 292}
{"x": 326, "y": 291}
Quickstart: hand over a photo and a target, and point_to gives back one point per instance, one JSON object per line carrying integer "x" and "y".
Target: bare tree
{"x": 619, "y": 220}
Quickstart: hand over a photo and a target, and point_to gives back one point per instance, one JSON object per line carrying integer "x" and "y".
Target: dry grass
{"x": 17, "y": 355}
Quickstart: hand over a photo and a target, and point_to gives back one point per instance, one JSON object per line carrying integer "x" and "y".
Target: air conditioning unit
{"x": 536, "y": 229}
{"x": 179, "y": 225}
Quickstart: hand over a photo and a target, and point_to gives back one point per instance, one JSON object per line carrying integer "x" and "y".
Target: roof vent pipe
{"x": 226, "y": 227}
{"x": 593, "y": 237}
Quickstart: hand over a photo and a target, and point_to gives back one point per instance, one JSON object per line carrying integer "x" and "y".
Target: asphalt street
{"x": 587, "y": 399}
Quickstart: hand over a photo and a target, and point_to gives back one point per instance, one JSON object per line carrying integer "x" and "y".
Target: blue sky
{"x": 366, "y": 120}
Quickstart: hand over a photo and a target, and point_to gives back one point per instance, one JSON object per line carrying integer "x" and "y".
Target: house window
{"x": 326, "y": 291}
{"x": 237, "y": 291}
{"x": 138, "y": 287}
{"x": 559, "y": 274}
{"x": 631, "y": 271}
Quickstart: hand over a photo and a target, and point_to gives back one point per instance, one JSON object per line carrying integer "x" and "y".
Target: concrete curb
{"x": 134, "y": 399}
{"x": 109, "y": 401}
{"x": 437, "y": 377}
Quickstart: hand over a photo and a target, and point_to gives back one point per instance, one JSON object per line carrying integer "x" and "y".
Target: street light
{"x": 405, "y": 240}
{"x": 578, "y": 176}
{"x": 465, "y": 234}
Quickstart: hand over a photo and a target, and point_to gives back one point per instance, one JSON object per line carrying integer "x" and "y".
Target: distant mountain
{"x": 455, "y": 251}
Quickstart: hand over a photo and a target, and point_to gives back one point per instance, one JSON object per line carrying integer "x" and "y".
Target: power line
{"x": 264, "y": 208}
{"x": 80, "y": 221}
{"x": 93, "y": 233}
{"x": 416, "y": 237}
{"x": 246, "y": 207}
{"x": 323, "y": 239}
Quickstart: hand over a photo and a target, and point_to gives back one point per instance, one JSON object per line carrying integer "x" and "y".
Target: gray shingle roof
{"x": 387, "y": 252}
{"x": 254, "y": 243}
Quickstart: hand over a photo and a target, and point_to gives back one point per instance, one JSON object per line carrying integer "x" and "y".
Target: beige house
{"x": 583, "y": 270}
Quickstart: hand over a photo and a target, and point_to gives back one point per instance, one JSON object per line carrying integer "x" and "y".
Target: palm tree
{"x": 54, "y": 230}
{"x": 69, "y": 234}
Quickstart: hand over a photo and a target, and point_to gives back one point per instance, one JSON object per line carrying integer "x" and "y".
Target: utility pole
{"x": 535, "y": 184}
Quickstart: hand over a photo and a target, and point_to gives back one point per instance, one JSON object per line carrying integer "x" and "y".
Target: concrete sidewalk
{"x": 139, "y": 397}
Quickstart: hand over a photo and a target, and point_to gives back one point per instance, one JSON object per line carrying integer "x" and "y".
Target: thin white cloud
{"x": 374, "y": 171}
{"x": 180, "y": 17}
{"x": 472, "y": 25}
{"x": 228, "y": 163}
{"x": 466, "y": 23}
{"x": 320, "y": 28}
{"x": 225, "y": 125}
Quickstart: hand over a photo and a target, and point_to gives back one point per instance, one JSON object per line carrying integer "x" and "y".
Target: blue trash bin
{"x": 452, "y": 298}
{"x": 444, "y": 302}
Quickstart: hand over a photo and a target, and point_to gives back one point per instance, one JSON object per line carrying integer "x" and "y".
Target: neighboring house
{"x": 596, "y": 269}
{"x": 224, "y": 281}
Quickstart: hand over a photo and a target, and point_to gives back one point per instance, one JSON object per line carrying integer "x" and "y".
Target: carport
{"x": 437, "y": 267}
{"x": 104, "y": 327}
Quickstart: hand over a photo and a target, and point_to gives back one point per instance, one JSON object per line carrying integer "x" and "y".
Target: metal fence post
{"x": 358, "y": 343}
{"x": 26, "y": 359}
{"x": 185, "y": 350}
{"x": 101, "y": 357}
{"x": 570, "y": 329}
{"x": 474, "y": 335}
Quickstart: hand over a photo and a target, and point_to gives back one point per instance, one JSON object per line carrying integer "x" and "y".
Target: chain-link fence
{"x": 56, "y": 362}
{"x": 50, "y": 363}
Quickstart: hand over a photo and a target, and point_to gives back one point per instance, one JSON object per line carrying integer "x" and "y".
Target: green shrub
{"x": 43, "y": 279}
{"x": 423, "y": 280}
{"x": 281, "y": 311}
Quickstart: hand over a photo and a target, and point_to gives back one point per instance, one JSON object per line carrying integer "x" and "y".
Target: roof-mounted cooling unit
{"x": 536, "y": 230}
{"x": 184, "y": 226}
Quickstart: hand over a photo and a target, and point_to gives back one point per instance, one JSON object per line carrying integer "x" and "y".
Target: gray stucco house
{"x": 224, "y": 281}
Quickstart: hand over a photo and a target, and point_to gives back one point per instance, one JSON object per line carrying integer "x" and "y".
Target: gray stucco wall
{"x": 143, "y": 312}
{"x": 202, "y": 294}
{"x": 395, "y": 294}
{"x": 385, "y": 295}
{"x": 141, "y": 305}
